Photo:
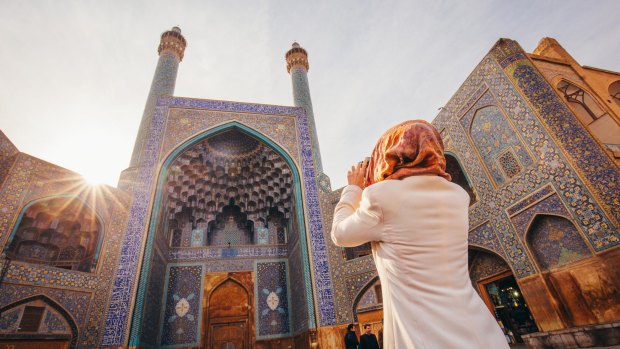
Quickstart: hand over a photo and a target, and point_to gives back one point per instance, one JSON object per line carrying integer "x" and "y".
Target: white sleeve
{"x": 357, "y": 218}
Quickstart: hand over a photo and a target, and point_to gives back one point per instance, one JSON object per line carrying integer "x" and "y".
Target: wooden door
{"x": 228, "y": 313}
{"x": 228, "y": 335}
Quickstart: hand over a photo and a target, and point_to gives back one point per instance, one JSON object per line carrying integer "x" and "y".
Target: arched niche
{"x": 502, "y": 151}
{"x": 162, "y": 227}
{"x": 227, "y": 189}
{"x": 63, "y": 232}
{"x": 555, "y": 241}
{"x": 38, "y": 320}
{"x": 453, "y": 167}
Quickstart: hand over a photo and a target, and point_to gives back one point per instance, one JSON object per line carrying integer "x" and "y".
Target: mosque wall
{"x": 542, "y": 203}
{"x": 176, "y": 121}
{"x": 546, "y": 206}
{"x": 73, "y": 294}
{"x": 8, "y": 152}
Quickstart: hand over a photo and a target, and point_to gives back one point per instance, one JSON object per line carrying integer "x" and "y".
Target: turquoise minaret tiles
{"x": 171, "y": 49}
{"x": 297, "y": 66}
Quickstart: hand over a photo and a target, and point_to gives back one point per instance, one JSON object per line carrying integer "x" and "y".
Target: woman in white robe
{"x": 417, "y": 223}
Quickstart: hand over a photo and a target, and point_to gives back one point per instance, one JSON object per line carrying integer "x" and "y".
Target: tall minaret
{"x": 171, "y": 48}
{"x": 297, "y": 66}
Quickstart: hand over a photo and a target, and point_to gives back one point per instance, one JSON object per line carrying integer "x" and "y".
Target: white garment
{"x": 418, "y": 227}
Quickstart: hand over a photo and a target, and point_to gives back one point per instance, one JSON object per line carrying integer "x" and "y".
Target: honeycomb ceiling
{"x": 230, "y": 166}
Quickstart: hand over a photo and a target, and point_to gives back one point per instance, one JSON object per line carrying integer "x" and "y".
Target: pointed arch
{"x": 153, "y": 221}
{"x": 554, "y": 241}
{"x": 459, "y": 176}
{"x": 480, "y": 248}
{"x": 62, "y": 231}
{"x": 233, "y": 296}
{"x": 360, "y": 294}
{"x": 484, "y": 263}
{"x": 52, "y": 304}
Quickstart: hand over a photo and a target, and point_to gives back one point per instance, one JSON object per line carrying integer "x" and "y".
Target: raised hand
{"x": 357, "y": 173}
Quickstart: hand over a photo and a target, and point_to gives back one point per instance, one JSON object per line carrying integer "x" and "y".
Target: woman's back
{"x": 418, "y": 228}
{"x": 417, "y": 221}
{"x": 425, "y": 224}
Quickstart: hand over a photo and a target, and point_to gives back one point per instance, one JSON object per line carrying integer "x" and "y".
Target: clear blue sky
{"x": 74, "y": 75}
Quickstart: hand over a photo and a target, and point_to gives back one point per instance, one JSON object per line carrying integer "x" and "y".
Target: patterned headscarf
{"x": 408, "y": 149}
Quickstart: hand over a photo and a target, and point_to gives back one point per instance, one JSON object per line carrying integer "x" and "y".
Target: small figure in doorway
{"x": 368, "y": 340}
{"x": 350, "y": 338}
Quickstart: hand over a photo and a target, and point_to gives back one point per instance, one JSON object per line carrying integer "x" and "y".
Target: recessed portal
{"x": 228, "y": 190}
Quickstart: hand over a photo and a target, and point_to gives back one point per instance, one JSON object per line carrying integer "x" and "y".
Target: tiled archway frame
{"x": 120, "y": 305}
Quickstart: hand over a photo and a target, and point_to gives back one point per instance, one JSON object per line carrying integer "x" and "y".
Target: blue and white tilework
{"x": 183, "y": 307}
{"x": 273, "y": 317}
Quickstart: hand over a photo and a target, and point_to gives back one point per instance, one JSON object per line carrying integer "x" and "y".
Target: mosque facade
{"x": 217, "y": 235}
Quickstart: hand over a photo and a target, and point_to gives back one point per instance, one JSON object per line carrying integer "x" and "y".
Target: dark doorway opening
{"x": 503, "y": 296}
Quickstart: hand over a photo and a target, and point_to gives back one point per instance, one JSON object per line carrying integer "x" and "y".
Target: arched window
{"x": 555, "y": 241}
{"x": 39, "y": 319}
{"x": 614, "y": 91}
{"x": 453, "y": 167}
{"x": 362, "y": 250}
{"x": 62, "y": 232}
{"x": 581, "y": 102}
{"x": 503, "y": 153}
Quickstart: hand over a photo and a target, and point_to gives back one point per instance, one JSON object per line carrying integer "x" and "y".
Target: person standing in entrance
{"x": 403, "y": 202}
{"x": 368, "y": 340}
{"x": 350, "y": 338}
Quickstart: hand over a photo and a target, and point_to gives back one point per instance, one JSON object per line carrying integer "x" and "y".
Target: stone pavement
{"x": 523, "y": 346}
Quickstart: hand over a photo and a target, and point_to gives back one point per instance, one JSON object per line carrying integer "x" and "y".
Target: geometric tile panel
{"x": 298, "y": 302}
{"x": 153, "y": 304}
{"x": 272, "y": 301}
{"x": 496, "y": 141}
{"x": 529, "y": 200}
{"x": 53, "y": 323}
{"x": 8, "y": 321}
{"x": 548, "y": 205}
{"x": 555, "y": 241}
{"x": 183, "y": 308}
{"x": 484, "y": 236}
{"x": 356, "y": 286}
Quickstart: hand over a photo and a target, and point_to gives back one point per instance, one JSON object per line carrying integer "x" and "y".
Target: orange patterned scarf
{"x": 408, "y": 149}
